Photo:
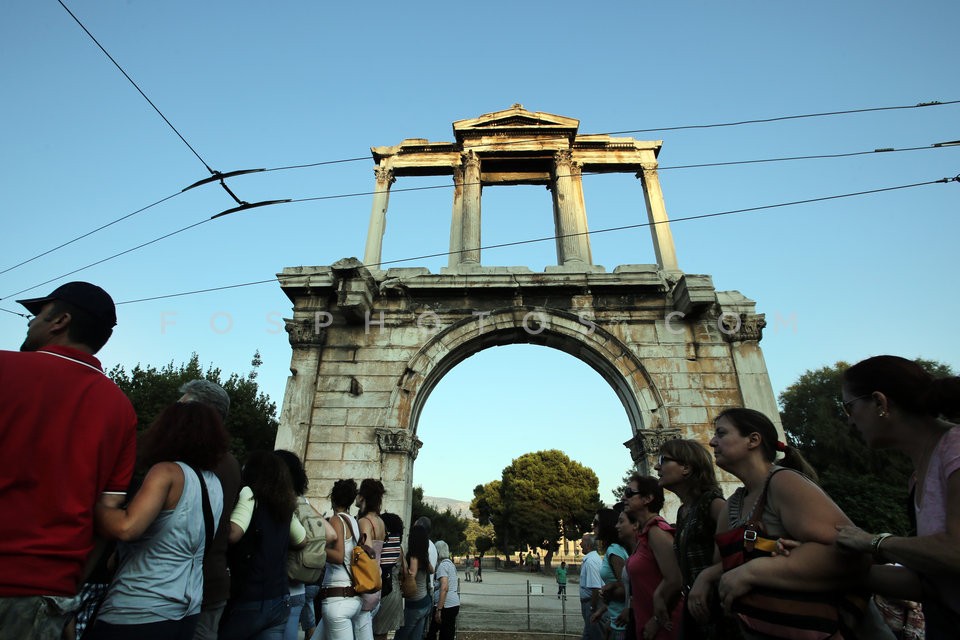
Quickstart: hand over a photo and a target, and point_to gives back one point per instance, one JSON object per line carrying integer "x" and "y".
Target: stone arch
{"x": 554, "y": 328}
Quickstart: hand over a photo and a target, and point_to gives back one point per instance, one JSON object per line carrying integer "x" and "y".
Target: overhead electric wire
{"x": 933, "y": 103}
{"x": 556, "y": 237}
{"x": 659, "y": 168}
{"x": 135, "y": 85}
{"x": 507, "y": 143}
{"x": 116, "y": 255}
{"x": 431, "y": 187}
{"x": 90, "y": 233}
{"x": 702, "y": 216}
{"x": 410, "y": 189}
{"x": 821, "y": 156}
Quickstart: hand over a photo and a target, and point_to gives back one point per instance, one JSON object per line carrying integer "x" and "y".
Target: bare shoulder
{"x": 164, "y": 471}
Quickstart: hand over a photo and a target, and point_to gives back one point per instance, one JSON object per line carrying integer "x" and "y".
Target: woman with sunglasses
{"x": 652, "y": 567}
{"x": 896, "y": 404}
{"x": 686, "y": 469}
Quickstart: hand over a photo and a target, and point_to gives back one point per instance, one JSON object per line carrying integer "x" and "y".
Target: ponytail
{"x": 793, "y": 459}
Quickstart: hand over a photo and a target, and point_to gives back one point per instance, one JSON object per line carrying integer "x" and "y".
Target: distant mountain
{"x": 457, "y": 506}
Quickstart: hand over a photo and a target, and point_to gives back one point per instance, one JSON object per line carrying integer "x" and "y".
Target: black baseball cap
{"x": 82, "y": 295}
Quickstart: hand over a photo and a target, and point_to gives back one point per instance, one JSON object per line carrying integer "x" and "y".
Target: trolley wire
{"x": 282, "y": 277}
{"x": 246, "y": 206}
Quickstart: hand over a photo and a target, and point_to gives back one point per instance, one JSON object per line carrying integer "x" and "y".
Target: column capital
{"x": 469, "y": 158}
{"x": 304, "y": 333}
{"x": 398, "y": 441}
{"x": 647, "y": 442}
{"x": 647, "y": 168}
{"x": 746, "y": 326}
{"x": 384, "y": 174}
{"x": 563, "y": 156}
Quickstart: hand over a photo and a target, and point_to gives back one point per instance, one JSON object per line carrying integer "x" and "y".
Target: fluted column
{"x": 471, "y": 209}
{"x": 573, "y": 245}
{"x": 378, "y": 216}
{"x": 659, "y": 222}
{"x": 456, "y": 223}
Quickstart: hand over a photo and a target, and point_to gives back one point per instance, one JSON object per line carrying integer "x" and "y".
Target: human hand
{"x": 598, "y": 614}
{"x": 698, "y": 600}
{"x": 606, "y": 591}
{"x": 623, "y": 618}
{"x": 733, "y": 584}
{"x": 651, "y": 628}
{"x": 853, "y": 538}
{"x": 661, "y": 614}
{"x": 785, "y": 546}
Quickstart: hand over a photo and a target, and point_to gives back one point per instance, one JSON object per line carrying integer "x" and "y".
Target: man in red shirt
{"x": 67, "y": 440}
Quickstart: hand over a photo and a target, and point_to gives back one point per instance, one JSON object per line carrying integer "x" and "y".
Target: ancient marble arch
{"x": 369, "y": 345}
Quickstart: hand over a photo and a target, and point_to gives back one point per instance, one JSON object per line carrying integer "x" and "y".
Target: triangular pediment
{"x": 516, "y": 118}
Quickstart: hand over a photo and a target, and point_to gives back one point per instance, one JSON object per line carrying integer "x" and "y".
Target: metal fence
{"x": 529, "y": 606}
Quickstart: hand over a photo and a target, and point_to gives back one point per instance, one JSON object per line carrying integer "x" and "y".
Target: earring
{"x": 882, "y": 413}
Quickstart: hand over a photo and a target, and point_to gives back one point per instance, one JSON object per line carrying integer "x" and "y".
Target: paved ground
{"x": 501, "y": 602}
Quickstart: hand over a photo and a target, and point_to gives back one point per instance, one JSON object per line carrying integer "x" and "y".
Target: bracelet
{"x": 877, "y": 541}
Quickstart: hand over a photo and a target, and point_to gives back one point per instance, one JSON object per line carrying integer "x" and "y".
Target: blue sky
{"x": 251, "y": 84}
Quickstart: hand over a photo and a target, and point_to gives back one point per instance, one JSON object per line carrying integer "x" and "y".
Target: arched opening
{"x": 501, "y": 403}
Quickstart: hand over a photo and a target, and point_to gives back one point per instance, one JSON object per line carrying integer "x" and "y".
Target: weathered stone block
{"x": 328, "y": 451}
{"x": 357, "y": 451}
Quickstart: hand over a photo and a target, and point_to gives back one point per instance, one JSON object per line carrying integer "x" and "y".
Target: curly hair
{"x": 269, "y": 479}
{"x": 372, "y": 493}
{"x": 343, "y": 493}
{"x": 393, "y": 523}
{"x": 297, "y": 474}
{"x": 188, "y": 432}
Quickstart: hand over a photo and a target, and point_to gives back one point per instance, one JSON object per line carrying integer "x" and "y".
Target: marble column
{"x": 378, "y": 217}
{"x": 657, "y": 216}
{"x": 573, "y": 245}
{"x": 470, "y": 243}
{"x": 456, "y": 223}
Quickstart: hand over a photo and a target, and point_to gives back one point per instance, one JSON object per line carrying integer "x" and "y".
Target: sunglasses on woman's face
{"x": 629, "y": 493}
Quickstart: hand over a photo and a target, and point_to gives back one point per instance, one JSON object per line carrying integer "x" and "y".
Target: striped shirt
{"x": 391, "y": 551}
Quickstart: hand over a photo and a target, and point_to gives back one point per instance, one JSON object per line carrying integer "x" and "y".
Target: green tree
{"x": 541, "y": 497}
{"x": 869, "y": 485}
{"x": 252, "y": 422}
{"x": 483, "y": 544}
{"x": 487, "y": 508}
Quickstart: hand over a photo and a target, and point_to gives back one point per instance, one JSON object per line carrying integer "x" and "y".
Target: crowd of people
{"x": 778, "y": 558}
{"x": 108, "y": 536}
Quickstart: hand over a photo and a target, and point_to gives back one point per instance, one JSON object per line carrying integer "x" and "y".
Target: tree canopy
{"x": 252, "y": 421}
{"x": 869, "y": 485}
{"x": 541, "y": 497}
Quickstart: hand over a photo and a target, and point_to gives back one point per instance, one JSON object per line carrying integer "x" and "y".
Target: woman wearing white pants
{"x": 341, "y": 604}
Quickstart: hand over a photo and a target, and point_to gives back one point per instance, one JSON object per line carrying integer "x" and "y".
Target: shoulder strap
{"x": 207, "y": 510}
{"x": 757, "y": 514}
